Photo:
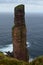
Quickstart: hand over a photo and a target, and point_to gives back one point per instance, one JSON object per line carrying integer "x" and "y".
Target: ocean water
{"x": 34, "y": 25}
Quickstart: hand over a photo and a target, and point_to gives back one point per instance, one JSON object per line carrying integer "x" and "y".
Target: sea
{"x": 34, "y": 26}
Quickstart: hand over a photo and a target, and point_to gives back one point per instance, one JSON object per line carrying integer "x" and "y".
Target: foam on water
{"x": 7, "y": 48}
{"x": 28, "y": 44}
{"x": 10, "y": 47}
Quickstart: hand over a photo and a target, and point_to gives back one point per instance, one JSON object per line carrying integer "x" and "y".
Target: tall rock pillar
{"x": 19, "y": 34}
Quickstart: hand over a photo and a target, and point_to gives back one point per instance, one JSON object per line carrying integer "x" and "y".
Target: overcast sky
{"x": 14, "y": 1}
{"x": 31, "y": 6}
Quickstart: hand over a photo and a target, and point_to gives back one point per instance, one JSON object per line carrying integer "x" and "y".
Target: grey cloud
{"x": 8, "y": 1}
{"x": 14, "y": 1}
{"x": 37, "y": 2}
{"x": 22, "y": 1}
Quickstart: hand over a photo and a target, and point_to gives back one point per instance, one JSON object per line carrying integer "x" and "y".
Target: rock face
{"x": 19, "y": 34}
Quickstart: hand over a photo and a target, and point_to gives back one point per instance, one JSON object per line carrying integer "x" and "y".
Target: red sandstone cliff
{"x": 19, "y": 34}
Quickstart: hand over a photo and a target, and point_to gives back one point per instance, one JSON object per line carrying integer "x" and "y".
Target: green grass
{"x": 20, "y": 6}
{"x": 37, "y": 61}
{"x": 6, "y": 60}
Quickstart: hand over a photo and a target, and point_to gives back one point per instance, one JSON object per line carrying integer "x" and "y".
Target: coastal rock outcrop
{"x": 19, "y": 34}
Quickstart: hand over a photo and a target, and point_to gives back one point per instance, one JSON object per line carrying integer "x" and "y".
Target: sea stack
{"x": 19, "y": 34}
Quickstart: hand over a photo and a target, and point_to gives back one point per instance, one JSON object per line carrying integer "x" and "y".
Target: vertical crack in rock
{"x": 19, "y": 34}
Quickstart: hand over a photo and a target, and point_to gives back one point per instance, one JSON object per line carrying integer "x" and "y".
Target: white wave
{"x": 10, "y": 47}
{"x": 28, "y": 44}
{"x": 31, "y": 59}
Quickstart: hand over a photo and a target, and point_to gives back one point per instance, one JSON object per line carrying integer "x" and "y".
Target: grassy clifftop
{"x": 37, "y": 61}
{"x": 5, "y": 60}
